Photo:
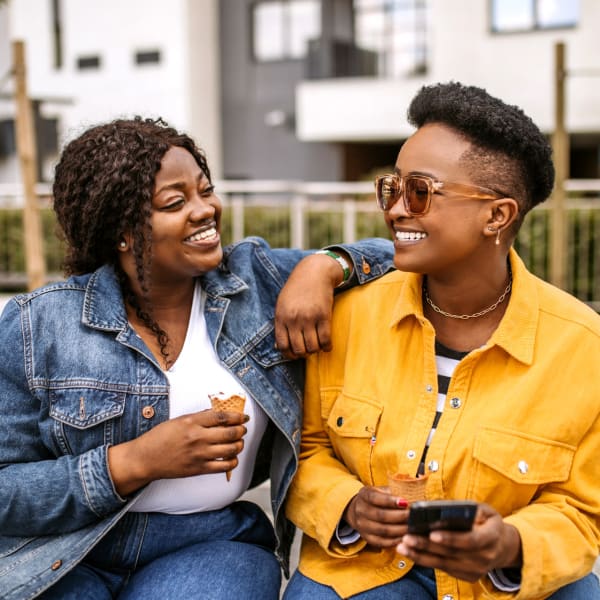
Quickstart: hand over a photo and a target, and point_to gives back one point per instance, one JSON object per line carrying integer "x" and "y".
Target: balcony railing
{"x": 313, "y": 214}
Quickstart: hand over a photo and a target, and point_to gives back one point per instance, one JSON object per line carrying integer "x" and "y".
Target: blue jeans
{"x": 156, "y": 556}
{"x": 419, "y": 584}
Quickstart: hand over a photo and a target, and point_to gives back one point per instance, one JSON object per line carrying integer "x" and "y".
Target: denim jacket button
{"x": 366, "y": 267}
{"x": 147, "y": 412}
{"x": 57, "y": 564}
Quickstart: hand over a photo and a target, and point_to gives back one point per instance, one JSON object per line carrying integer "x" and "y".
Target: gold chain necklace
{"x": 485, "y": 311}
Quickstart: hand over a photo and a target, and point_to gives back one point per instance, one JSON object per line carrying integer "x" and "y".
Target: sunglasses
{"x": 416, "y": 192}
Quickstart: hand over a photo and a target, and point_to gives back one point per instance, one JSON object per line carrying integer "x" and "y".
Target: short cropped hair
{"x": 510, "y": 153}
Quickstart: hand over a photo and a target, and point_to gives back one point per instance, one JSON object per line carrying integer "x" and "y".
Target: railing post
{"x": 26, "y": 146}
{"x": 237, "y": 218}
{"x": 560, "y": 146}
{"x": 349, "y": 221}
{"x": 297, "y": 222}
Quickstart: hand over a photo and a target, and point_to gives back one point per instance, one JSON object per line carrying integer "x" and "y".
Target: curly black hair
{"x": 510, "y": 153}
{"x": 103, "y": 187}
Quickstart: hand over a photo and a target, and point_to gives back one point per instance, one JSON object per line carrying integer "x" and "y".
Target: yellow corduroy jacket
{"x": 520, "y": 431}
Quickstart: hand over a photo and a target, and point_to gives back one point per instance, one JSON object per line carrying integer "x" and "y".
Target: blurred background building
{"x": 293, "y": 89}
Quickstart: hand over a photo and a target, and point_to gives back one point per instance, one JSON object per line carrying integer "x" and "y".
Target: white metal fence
{"x": 311, "y": 214}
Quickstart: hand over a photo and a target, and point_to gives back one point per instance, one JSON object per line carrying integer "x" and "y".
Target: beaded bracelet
{"x": 341, "y": 261}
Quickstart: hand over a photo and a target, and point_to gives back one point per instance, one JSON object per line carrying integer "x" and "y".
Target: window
{"x": 147, "y": 57}
{"x": 282, "y": 29}
{"x": 397, "y": 31}
{"x": 88, "y": 62}
{"x": 529, "y": 15}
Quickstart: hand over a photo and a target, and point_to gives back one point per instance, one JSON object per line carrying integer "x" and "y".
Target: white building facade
{"x": 94, "y": 60}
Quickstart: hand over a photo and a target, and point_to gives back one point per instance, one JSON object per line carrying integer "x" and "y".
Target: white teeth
{"x": 410, "y": 235}
{"x": 203, "y": 235}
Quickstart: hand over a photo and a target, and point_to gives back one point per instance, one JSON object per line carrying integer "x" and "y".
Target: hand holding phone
{"x": 452, "y": 515}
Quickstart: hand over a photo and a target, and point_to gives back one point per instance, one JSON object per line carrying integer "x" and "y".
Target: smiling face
{"x": 452, "y": 234}
{"x": 185, "y": 221}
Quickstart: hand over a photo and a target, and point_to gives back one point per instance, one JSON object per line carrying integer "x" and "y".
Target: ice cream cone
{"x": 232, "y": 403}
{"x": 408, "y": 487}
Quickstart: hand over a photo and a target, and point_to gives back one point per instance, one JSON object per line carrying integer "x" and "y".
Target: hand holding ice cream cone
{"x": 228, "y": 403}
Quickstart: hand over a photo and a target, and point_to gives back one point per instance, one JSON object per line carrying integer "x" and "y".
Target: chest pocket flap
{"x": 354, "y": 417}
{"x": 524, "y": 458}
{"x": 84, "y": 407}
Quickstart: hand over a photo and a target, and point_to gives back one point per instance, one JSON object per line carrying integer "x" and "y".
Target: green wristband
{"x": 341, "y": 261}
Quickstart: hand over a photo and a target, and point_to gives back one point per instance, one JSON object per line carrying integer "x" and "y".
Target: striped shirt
{"x": 446, "y": 360}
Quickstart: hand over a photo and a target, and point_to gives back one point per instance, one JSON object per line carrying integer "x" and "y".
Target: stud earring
{"x": 497, "y": 242}
{"x": 122, "y": 244}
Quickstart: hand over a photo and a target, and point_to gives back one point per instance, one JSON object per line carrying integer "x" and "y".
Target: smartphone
{"x": 454, "y": 515}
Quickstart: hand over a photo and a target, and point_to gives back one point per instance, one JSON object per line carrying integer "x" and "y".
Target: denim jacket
{"x": 75, "y": 378}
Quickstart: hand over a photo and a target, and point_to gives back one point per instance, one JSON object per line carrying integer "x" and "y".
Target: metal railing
{"x": 313, "y": 214}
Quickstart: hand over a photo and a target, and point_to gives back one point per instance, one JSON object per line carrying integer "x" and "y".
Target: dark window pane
{"x": 147, "y": 57}
{"x": 88, "y": 62}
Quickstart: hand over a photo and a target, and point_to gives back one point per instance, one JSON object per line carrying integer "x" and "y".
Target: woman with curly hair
{"x": 462, "y": 375}
{"x": 117, "y": 478}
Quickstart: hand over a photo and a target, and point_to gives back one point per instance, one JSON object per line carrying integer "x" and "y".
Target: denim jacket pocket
{"x": 85, "y": 418}
{"x": 352, "y": 424}
{"x": 511, "y": 465}
{"x": 85, "y": 407}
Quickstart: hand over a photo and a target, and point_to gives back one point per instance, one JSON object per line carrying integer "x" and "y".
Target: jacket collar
{"x": 517, "y": 330}
{"x": 222, "y": 282}
{"x": 103, "y": 304}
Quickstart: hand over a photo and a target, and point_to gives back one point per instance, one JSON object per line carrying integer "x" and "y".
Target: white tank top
{"x": 196, "y": 373}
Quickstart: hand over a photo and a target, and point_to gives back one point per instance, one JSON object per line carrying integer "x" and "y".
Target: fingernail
{"x": 246, "y": 418}
{"x": 402, "y": 503}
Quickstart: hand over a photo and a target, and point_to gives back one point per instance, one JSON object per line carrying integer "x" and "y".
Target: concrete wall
{"x": 516, "y": 67}
{"x": 250, "y": 91}
{"x": 180, "y": 88}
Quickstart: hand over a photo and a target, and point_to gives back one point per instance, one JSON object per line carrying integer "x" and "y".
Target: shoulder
{"x": 559, "y": 306}
{"x": 58, "y": 291}
{"x": 565, "y": 311}
{"x": 372, "y": 301}
{"x": 243, "y": 247}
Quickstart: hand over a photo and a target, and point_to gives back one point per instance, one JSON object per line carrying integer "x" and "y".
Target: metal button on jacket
{"x": 340, "y": 421}
{"x": 523, "y": 467}
{"x": 57, "y": 564}
{"x": 455, "y": 403}
{"x": 411, "y": 454}
{"x": 433, "y": 466}
{"x": 147, "y": 412}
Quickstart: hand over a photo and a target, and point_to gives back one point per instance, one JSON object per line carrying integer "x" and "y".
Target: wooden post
{"x": 26, "y": 148}
{"x": 560, "y": 146}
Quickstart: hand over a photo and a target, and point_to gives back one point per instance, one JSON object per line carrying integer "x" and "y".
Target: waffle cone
{"x": 408, "y": 487}
{"x": 233, "y": 403}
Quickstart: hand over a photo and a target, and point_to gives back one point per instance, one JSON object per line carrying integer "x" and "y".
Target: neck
{"x": 469, "y": 310}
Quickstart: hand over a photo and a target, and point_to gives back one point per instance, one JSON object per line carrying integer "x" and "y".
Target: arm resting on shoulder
{"x": 303, "y": 311}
